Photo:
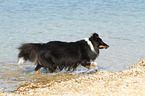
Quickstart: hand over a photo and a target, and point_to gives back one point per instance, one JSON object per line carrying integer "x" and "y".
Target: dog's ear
{"x": 95, "y": 35}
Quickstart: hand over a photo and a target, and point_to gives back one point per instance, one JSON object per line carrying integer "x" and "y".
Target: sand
{"x": 130, "y": 82}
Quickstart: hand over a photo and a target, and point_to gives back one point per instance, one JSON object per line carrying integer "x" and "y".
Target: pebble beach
{"x": 130, "y": 82}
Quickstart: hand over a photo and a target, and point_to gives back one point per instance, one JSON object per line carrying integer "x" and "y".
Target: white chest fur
{"x": 90, "y": 44}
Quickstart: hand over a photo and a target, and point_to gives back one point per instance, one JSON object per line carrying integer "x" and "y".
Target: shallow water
{"x": 120, "y": 24}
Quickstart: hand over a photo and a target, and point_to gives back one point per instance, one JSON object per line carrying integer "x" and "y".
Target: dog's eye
{"x": 101, "y": 42}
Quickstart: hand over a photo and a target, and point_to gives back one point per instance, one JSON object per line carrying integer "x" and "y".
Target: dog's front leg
{"x": 88, "y": 64}
{"x": 94, "y": 64}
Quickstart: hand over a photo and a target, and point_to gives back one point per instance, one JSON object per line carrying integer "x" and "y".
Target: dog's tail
{"x": 28, "y": 51}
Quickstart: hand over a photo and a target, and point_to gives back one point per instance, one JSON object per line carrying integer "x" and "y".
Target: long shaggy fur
{"x": 58, "y": 55}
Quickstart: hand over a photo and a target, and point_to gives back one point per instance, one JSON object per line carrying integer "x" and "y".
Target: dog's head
{"x": 98, "y": 42}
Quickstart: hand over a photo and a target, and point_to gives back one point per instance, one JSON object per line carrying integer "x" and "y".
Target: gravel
{"x": 130, "y": 82}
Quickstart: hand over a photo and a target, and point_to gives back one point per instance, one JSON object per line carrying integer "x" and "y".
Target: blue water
{"x": 120, "y": 23}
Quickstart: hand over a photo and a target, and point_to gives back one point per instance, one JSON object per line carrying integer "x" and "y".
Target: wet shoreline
{"x": 99, "y": 83}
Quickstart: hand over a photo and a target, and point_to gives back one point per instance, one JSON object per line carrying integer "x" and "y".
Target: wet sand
{"x": 130, "y": 82}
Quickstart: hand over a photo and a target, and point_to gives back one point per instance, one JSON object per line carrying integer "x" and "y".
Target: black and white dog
{"x": 59, "y": 55}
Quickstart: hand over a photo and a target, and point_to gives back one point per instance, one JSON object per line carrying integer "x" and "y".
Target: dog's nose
{"x": 106, "y": 46}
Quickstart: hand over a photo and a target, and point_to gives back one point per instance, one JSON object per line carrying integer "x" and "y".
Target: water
{"x": 120, "y": 23}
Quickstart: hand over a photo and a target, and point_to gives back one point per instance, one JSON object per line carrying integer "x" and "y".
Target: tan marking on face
{"x": 103, "y": 46}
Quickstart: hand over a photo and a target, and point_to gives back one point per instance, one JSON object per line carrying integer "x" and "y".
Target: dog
{"x": 57, "y": 55}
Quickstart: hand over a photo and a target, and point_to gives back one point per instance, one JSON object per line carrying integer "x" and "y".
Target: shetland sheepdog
{"x": 57, "y": 55}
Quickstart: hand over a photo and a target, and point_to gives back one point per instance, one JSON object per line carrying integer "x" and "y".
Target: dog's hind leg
{"x": 38, "y": 67}
{"x": 52, "y": 68}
